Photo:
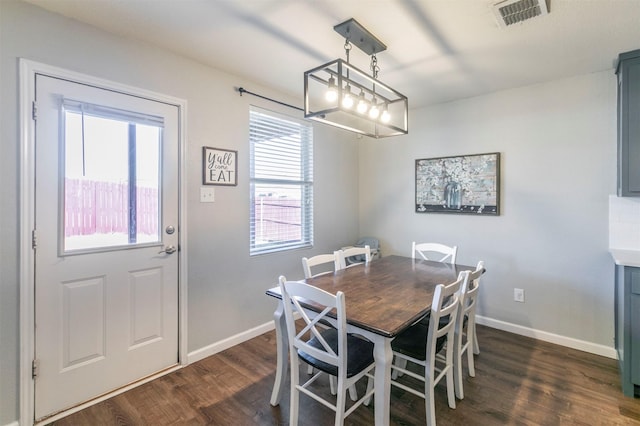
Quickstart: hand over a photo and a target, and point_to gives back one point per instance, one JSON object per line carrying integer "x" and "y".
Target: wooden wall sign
{"x": 219, "y": 166}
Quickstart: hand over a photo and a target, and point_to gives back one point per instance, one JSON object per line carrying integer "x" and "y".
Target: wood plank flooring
{"x": 519, "y": 381}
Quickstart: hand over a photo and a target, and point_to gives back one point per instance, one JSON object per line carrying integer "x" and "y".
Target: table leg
{"x": 383, "y": 356}
{"x": 282, "y": 345}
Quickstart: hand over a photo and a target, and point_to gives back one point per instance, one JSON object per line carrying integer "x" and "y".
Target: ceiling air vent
{"x": 510, "y": 12}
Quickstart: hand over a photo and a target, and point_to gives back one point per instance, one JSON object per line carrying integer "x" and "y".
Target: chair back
{"x": 468, "y": 309}
{"x": 320, "y": 259}
{"x": 349, "y": 253}
{"x": 444, "y": 312}
{"x": 470, "y": 295}
{"x": 294, "y": 293}
{"x": 465, "y": 335}
{"x": 438, "y": 252}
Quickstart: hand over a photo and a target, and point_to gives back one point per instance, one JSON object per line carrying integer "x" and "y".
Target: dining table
{"x": 383, "y": 298}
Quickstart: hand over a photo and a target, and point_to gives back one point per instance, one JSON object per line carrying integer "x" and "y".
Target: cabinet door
{"x": 629, "y": 126}
{"x": 633, "y": 358}
{"x": 633, "y": 124}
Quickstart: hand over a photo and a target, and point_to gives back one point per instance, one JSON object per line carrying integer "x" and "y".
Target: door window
{"x": 111, "y": 178}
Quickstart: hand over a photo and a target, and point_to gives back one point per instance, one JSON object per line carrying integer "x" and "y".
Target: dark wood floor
{"x": 519, "y": 381}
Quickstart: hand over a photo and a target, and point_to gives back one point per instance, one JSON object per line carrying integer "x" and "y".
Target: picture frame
{"x": 219, "y": 166}
{"x": 466, "y": 184}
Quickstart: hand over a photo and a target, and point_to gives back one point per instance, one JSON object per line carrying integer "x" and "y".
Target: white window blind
{"x": 281, "y": 182}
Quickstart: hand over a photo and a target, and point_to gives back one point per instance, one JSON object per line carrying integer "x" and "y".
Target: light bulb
{"x": 374, "y": 112}
{"x": 347, "y": 100}
{"x": 363, "y": 105}
{"x": 331, "y": 95}
{"x": 385, "y": 117}
{"x": 332, "y": 91}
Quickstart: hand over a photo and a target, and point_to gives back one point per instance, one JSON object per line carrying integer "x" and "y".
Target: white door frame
{"x": 28, "y": 71}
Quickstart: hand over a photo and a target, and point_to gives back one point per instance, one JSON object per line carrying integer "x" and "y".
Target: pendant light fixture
{"x": 341, "y": 95}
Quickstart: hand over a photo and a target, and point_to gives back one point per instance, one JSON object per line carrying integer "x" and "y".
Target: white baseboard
{"x": 220, "y": 346}
{"x": 581, "y": 345}
{"x": 13, "y": 424}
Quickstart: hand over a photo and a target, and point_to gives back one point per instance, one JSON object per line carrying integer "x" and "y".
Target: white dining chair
{"x": 352, "y": 256}
{"x": 420, "y": 343}
{"x": 435, "y": 251}
{"x": 333, "y": 351}
{"x": 321, "y": 260}
{"x": 480, "y": 266}
{"x": 465, "y": 334}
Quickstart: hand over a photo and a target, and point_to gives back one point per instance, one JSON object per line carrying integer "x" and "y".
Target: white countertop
{"x": 626, "y": 257}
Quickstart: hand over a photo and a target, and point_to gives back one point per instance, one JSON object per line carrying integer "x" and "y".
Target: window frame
{"x": 132, "y": 119}
{"x": 266, "y": 125}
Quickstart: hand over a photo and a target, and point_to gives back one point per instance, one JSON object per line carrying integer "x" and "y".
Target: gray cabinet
{"x": 627, "y": 323}
{"x": 628, "y": 72}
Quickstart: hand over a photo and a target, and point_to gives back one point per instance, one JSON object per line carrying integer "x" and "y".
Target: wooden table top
{"x": 389, "y": 294}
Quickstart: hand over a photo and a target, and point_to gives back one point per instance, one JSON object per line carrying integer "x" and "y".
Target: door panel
{"x": 82, "y": 319}
{"x": 106, "y": 290}
{"x": 146, "y": 306}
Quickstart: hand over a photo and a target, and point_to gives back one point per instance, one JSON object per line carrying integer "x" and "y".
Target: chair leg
{"x": 295, "y": 395}
{"x": 340, "y": 403}
{"x": 471, "y": 363}
{"x": 457, "y": 371}
{"x": 332, "y": 384}
{"x": 309, "y": 370}
{"x": 430, "y": 406}
{"x": 398, "y": 362}
{"x": 370, "y": 384}
{"x": 476, "y": 346}
{"x": 451, "y": 396}
{"x": 353, "y": 393}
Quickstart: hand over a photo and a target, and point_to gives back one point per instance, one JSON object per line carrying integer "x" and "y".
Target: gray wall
{"x": 558, "y": 167}
{"x": 225, "y": 286}
{"x": 558, "y": 150}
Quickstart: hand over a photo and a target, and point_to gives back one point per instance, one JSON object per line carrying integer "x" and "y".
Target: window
{"x": 111, "y": 177}
{"x": 281, "y": 182}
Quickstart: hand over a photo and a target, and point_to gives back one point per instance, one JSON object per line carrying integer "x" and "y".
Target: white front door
{"x": 106, "y": 227}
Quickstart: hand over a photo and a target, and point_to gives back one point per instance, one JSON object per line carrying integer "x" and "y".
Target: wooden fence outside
{"x": 278, "y": 219}
{"x": 93, "y": 207}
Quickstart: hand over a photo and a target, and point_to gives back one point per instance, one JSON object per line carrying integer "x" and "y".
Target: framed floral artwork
{"x": 467, "y": 184}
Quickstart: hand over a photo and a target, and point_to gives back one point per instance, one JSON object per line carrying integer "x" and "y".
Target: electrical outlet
{"x": 518, "y": 295}
{"x": 207, "y": 195}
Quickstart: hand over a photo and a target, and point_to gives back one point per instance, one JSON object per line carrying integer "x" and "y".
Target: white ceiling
{"x": 437, "y": 50}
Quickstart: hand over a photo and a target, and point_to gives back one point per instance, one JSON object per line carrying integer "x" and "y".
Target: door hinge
{"x": 34, "y": 110}
{"x": 35, "y": 368}
{"x": 34, "y": 239}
